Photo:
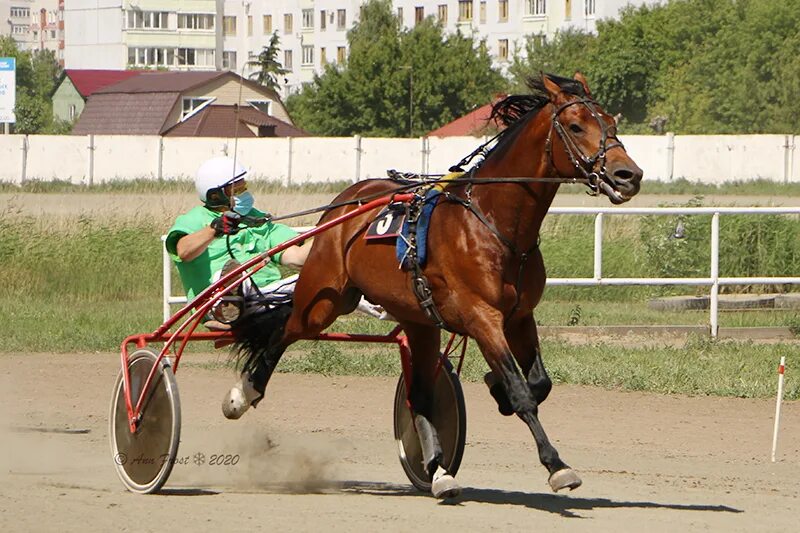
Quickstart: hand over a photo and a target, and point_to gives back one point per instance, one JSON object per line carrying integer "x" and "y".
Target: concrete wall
{"x": 379, "y": 155}
{"x": 718, "y": 158}
{"x": 336, "y": 161}
{"x": 11, "y": 155}
{"x": 99, "y": 158}
{"x": 120, "y": 157}
{"x": 652, "y": 153}
{"x": 181, "y": 156}
{"x": 70, "y": 162}
{"x": 444, "y": 152}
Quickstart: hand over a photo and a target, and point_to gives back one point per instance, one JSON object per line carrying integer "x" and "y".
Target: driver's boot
{"x": 229, "y": 308}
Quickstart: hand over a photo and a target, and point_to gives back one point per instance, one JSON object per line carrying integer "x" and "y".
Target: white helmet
{"x": 213, "y": 176}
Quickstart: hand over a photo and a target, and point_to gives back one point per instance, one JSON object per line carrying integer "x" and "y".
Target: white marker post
{"x": 778, "y": 407}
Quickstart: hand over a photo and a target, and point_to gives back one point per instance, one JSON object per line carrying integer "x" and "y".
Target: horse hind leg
{"x": 521, "y": 398}
{"x": 443, "y": 484}
{"x": 259, "y": 349}
{"x": 264, "y": 338}
{"x": 424, "y": 342}
{"x": 314, "y": 311}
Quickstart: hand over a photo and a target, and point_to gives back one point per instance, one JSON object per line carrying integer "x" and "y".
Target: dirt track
{"x": 318, "y": 454}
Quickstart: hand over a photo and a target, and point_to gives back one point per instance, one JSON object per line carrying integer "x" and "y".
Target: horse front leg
{"x": 521, "y": 398}
{"x": 424, "y": 342}
{"x": 523, "y": 339}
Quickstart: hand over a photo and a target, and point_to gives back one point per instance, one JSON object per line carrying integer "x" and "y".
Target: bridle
{"x": 593, "y": 168}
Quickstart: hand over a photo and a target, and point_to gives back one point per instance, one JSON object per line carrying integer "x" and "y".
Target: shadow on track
{"x": 187, "y": 492}
{"x": 553, "y": 503}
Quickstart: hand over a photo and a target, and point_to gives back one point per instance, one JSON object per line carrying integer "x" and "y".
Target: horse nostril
{"x": 624, "y": 174}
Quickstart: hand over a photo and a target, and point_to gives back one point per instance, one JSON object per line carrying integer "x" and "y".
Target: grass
{"x": 603, "y": 313}
{"x": 82, "y": 284}
{"x": 74, "y": 325}
{"x": 149, "y": 186}
{"x": 699, "y": 367}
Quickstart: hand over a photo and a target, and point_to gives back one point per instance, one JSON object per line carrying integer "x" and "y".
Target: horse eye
{"x": 574, "y": 128}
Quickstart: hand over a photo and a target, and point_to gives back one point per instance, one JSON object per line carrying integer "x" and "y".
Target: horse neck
{"x": 518, "y": 209}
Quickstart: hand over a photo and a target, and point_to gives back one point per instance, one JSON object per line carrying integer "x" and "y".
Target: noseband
{"x": 588, "y": 165}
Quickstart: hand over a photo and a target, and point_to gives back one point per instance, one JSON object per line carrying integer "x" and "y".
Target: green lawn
{"x": 84, "y": 285}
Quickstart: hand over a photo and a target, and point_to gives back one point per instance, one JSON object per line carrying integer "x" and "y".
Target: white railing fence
{"x": 714, "y": 280}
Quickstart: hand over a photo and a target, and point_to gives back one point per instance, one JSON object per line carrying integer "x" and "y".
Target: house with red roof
{"x": 76, "y": 86}
{"x": 186, "y": 104}
{"x": 476, "y": 123}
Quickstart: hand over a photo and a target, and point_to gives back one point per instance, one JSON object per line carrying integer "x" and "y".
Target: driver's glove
{"x": 227, "y": 224}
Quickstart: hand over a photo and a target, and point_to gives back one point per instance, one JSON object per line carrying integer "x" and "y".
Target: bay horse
{"x": 484, "y": 266}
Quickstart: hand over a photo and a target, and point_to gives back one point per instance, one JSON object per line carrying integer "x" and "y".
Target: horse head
{"x": 585, "y": 143}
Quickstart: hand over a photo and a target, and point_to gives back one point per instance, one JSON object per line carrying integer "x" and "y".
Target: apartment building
{"x": 193, "y": 34}
{"x": 34, "y": 24}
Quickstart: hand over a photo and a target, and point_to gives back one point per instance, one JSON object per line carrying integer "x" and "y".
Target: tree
{"x": 269, "y": 68}
{"x": 707, "y": 66}
{"x": 37, "y": 75}
{"x": 565, "y": 54}
{"x": 395, "y": 77}
{"x": 33, "y": 114}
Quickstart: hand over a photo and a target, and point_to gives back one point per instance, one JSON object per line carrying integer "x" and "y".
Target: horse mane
{"x": 512, "y": 109}
{"x": 515, "y": 110}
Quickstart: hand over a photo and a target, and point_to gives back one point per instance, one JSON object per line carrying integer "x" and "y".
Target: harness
{"x": 585, "y": 164}
{"x": 420, "y": 285}
{"x": 419, "y": 282}
{"x": 594, "y": 179}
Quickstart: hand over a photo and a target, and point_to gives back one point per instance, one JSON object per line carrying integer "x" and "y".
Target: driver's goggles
{"x": 237, "y": 187}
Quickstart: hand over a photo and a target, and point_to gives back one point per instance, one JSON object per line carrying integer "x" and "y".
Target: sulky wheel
{"x": 144, "y": 459}
{"x": 448, "y": 416}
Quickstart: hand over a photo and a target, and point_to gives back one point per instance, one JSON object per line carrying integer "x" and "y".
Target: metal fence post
{"x": 598, "y": 246}
{"x": 714, "y": 275}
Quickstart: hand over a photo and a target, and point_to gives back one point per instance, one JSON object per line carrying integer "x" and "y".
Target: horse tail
{"x": 258, "y": 337}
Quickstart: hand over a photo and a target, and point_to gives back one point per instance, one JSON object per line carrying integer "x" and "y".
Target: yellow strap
{"x": 444, "y": 181}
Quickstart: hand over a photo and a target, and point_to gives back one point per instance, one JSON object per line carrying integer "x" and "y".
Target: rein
{"x": 596, "y": 180}
{"x": 423, "y": 180}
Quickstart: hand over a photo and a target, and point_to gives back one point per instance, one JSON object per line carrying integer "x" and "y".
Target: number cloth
{"x": 198, "y": 273}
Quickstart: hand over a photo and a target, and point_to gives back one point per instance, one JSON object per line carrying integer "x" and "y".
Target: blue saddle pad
{"x": 423, "y": 223}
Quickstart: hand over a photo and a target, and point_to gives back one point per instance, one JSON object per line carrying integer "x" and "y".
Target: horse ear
{"x": 551, "y": 87}
{"x": 582, "y": 80}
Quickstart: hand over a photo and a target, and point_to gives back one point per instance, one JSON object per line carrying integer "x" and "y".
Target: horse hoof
{"x": 566, "y": 478}
{"x": 444, "y": 487}
{"x": 239, "y": 398}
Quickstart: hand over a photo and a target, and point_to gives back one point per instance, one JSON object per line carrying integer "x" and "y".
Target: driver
{"x": 210, "y": 240}
{"x": 199, "y": 240}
